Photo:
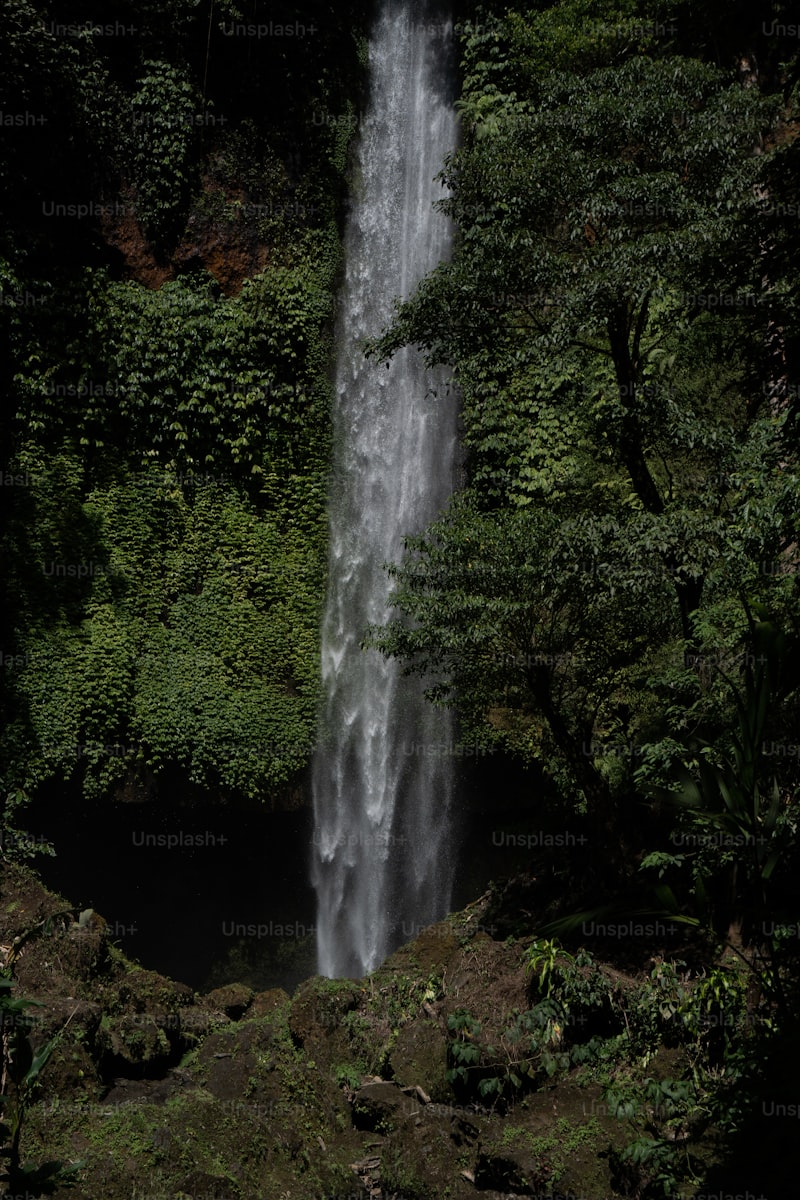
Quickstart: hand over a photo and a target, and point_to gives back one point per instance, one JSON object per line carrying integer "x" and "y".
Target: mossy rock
{"x": 195, "y": 1145}
{"x": 317, "y": 1019}
{"x": 514, "y": 1169}
{"x": 72, "y": 1069}
{"x": 229, "y": 1058}
{"x": 431, "y": 951}
{"x": 145, "y": 991}
{"x": 556, "y": 1138}
{"x": 419, "y": 1059}
{"x": 266, "y": 1003}
{"x": 319, "y": 1005}
{"x": 135, "y": 1040}
{"x": 196, "y": 1022}
{"x": 364, "y": 1038}
{"x": 84, "y": 949}
{"x": 379, "y": 1107}
{"x": 142, "y": 1025}
{"x": 435, "y": 947}
{"x": 233, "y": 1000}
{"x": 76, "y": 1020}
{"x": 426, "y": 1157}
{"x": 61, "y": 955}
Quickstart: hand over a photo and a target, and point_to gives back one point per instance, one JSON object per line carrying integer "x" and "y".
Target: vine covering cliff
{"x": 172, "y": 193}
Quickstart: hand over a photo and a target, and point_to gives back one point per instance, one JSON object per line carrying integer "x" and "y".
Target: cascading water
{"x": 382, "y": 776}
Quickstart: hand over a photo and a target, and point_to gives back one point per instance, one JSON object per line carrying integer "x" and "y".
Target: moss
{"x": 141, "y": 1042}
{"x": 400, "y": 1175}
{"x": 269, "y": 1002}
{"x": 419, "y": 1057}
{"x": 316, "y": 1019}
{"x": 367, "y": 1039}
{"x": 233, "y": 1000}
{"x": 259, "y": 1106}
{"x": 244, "y": 1147}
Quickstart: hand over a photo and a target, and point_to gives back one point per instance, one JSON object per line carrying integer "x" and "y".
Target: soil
{"x": 230, "y": 251}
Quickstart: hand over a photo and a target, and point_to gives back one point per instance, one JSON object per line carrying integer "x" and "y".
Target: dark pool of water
{"x": 209, "y": 893}
{"x": 205, "y": 894}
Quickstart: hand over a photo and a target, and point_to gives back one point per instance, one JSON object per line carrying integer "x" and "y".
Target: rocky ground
{"x": 340, "y": 1091}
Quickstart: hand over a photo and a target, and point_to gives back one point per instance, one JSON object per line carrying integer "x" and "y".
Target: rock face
{"x": 229, "y": 250}
{"x": 419, "y": 1058}
{"x": 339, "y": 1091}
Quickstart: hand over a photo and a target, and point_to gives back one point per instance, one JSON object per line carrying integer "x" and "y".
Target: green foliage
{"x": 348, "y": 1076}
{"x": 719, "y": 1037}
{"x": 621, "y": 319}
{"x": 535, "y": 626}
{"x": 574, "y": 981}
{"x": 20, "y": 1067}
{"x": 675, "y": 1052}
{"x": 16, "y": 845}
{"x": 656, "y": 1165}
{"x": 463, "y": 1049}
{"x": 731, "y": 802}
{"x": 196, "y": 646}
{"x": 407, "y": 994}
{"x": 542, "y": 960}
{"x": 605, "y": 317}
{"x": 738, "y": 823}
{"x": 189, "y": 533}
{"x": 166, "y": 111}
{"x": 199, "y": 384}
{"x": 168, "y": 553}
{"x": 556, "y": 1034}
{"x": 174, "y": 441}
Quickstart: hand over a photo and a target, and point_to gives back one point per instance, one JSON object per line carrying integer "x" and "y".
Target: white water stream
{"x": 382, "y": 775}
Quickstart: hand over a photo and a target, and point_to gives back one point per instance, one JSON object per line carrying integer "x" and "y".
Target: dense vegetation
{"x": 165, "y": 449}
{"x": 612, "y": 598}
{"x": 619, "y": 577}
{"x": 614, "y": 595}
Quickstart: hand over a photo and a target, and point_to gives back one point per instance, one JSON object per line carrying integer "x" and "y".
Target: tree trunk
{"x": 626, "y": 369}
{"x": 607, "y": 836}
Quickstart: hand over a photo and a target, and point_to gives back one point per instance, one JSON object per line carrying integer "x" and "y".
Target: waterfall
{"x": 382, "y": 775}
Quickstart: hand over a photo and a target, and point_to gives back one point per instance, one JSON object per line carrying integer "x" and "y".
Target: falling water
{"x": 383, "y": 780}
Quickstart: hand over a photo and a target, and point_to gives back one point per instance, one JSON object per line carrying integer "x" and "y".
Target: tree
{"x": 602, "y": 316}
